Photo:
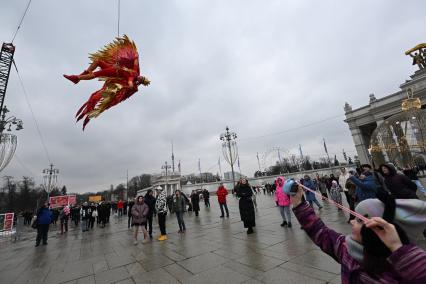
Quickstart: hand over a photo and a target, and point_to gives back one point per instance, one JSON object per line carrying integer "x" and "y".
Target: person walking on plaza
{"x": 179, "y": 207}
{"x": 150, "y": 201}
{"x": 140, "y": 213}
{"x": 102, "y": 214}
{"x": 93, "y": 215}
{"x": 195, "y": 201}
{"x": 283, "y": 202}
{"x": 120, "y": 207}
{"x": 161, "y": 207}
{"x": 335, "y": 194}
{"x": 399, "y": 185}
{"x": 221, "y": 193}
{"x": 44, "y": 218}
{"x": 206, "y": 196}
{"x": 129, "y": 212}
{"x": 169, "y": 201}
{"x": 343, "y": 177}
{"x": 86, "y": 214}
{"x": 246, "y": 206}
{"x": 64, "y": 216}
{"x": 310, "y": 196}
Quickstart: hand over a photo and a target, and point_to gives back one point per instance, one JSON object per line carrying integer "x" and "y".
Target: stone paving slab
{"x": 213, "y": 250}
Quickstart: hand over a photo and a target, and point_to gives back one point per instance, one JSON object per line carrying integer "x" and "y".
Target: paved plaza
{"x": 213, "y": 250}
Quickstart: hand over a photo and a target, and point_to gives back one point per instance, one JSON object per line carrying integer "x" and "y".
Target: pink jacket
{"x": 280, "y": 197}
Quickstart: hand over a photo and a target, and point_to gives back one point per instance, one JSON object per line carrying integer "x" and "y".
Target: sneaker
{"x": 320, "y": 208}
{"x": 289, "y": 224}
{"x": 37, "y": 245}
{"x": 221, "y": 216}
{"x": 160, "y": 238}
{"x": 284, "y": 224}
{"x": 250, "y": 231}
{"x": 227, "y": 216}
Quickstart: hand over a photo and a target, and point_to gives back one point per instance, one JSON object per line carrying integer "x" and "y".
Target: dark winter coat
{"x": 129, "y": 210}
{"x": 195, "y": 200}
{"x": 150, "y": 201}
{"x": 179, "y": 204}
{"x": 44, "y": 216}
{"x": 85, "y": 212}
{"x": 245, "y": 193}
{"x": 399, "y": 185}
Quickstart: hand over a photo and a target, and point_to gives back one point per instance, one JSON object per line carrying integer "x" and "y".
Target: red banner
{"x": 63, "y": 200}
{"x": 8, "y": 222}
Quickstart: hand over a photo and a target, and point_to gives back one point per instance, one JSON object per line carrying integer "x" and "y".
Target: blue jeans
{"x": 179, "y": 216}
{"x": 419, "y": 185}
{"x": 285, "y": 213}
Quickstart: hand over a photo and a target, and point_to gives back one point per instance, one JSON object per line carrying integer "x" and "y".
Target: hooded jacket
{"x": 280, "y": 197}
{"x": 399, "y": 185}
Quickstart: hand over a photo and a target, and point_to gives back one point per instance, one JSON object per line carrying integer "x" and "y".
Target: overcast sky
{"x": 260, "y": 67}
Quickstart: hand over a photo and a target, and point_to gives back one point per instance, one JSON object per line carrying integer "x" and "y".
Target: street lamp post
{"x": 166, "y": 167}
{"x": 230, "y": 150}
{"x": 50, "y": 179}
{"x": 8, "y": 141}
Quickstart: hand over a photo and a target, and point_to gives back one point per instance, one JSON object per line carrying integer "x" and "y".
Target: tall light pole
{"x": 230, "y": 150}
{"x": 166, "y": 167}
{"x": 50, "y": 179}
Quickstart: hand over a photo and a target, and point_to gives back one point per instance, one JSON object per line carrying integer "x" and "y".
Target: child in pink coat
{"x": 283, "y": 202}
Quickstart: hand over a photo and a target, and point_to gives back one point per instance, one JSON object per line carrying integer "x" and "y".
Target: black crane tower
{"x": 6, "y": 60}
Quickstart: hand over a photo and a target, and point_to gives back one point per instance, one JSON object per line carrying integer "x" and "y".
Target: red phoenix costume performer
{"x": 118, "y": 65}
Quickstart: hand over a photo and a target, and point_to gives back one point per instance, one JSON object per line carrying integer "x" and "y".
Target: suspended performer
{"x": 117, "y": 64}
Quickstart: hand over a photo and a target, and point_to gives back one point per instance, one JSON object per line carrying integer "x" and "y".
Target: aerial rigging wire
{"x": 118, "y": 18}
{"x": 32, "y": 113}
{"x": 22, "y": 20}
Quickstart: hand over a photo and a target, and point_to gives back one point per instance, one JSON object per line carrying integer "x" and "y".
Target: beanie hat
{"x": 410, "y": 214}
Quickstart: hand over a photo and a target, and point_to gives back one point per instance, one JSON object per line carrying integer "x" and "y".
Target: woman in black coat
{"x": 245, "y": 193}
{"x": 195, "y": 200}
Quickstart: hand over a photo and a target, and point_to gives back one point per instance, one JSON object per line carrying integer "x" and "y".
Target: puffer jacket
{"x": 139, "y": 213}
{"x": 161, "y": 203}
{"x": 280, "y": 197}
{"x": 399, "y": 185}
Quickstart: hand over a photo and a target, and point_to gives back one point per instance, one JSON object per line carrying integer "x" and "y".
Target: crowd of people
{"x": 381, "y": 248}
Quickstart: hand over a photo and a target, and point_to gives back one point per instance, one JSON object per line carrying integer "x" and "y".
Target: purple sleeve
{"x": 330, "y": 242}
{"x": 410, "y": 262}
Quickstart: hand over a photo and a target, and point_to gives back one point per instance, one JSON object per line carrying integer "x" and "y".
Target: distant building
{"x": 171, "y": 183}
{"x": 228, "y": 175}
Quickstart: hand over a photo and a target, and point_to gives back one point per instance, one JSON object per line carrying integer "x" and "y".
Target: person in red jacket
{"x": 221, "y": 193}
{"x": 120, "y": 208}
